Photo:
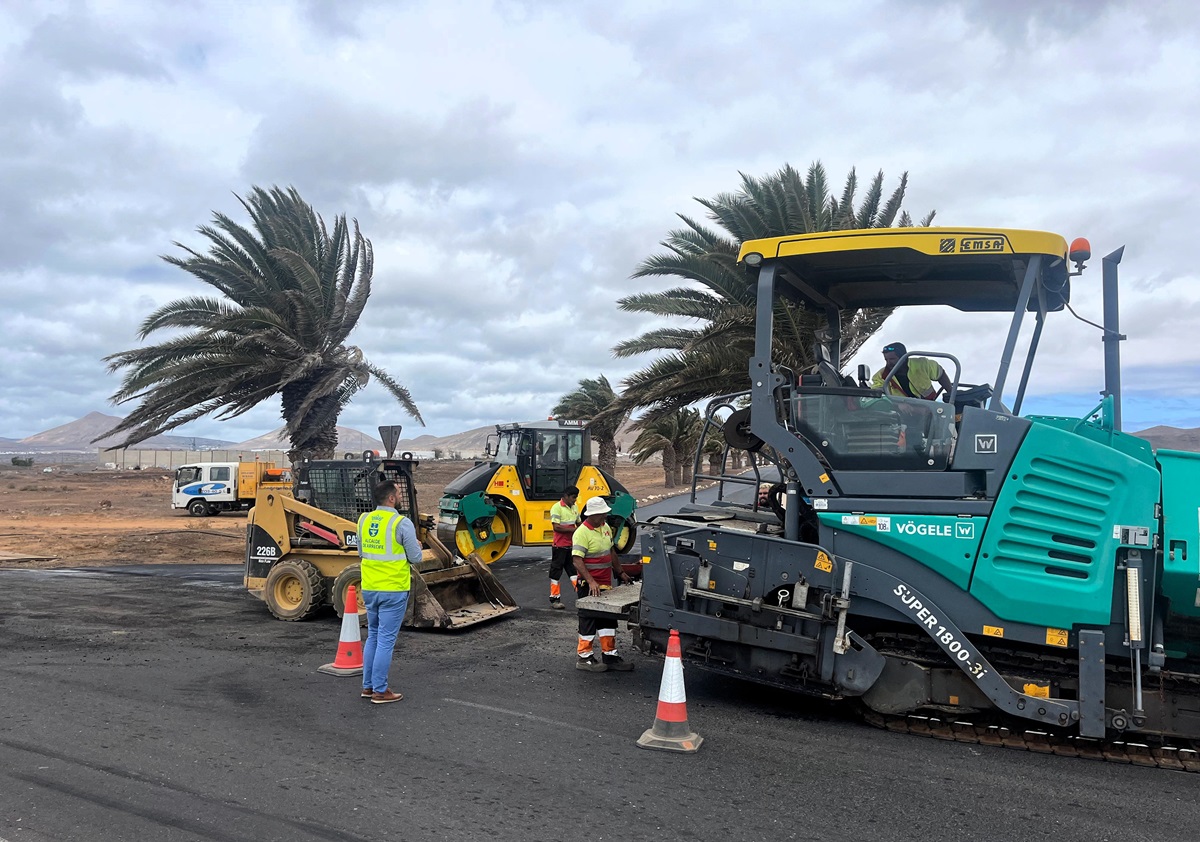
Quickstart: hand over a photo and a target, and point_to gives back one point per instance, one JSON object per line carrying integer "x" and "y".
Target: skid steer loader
{"x": 302, "y": 547}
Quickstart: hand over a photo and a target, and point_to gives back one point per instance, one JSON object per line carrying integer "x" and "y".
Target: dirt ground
{"x": 76, "y": 516}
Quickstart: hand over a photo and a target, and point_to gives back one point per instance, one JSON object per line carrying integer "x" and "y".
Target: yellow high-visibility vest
{"x": 384, "y": 565}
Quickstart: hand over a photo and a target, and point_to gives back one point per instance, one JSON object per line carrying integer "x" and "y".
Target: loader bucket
{"x": 455, "y": 595}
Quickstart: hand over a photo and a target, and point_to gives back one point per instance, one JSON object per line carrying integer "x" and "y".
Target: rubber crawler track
{"x": 1169, "y": 757}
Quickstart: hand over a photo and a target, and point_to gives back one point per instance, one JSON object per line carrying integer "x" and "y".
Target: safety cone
{"x": 349, "y": 658}
{"x": 670, "y": 731}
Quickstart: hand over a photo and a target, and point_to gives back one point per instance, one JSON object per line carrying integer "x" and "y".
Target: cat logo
{"x": 973, "y": 245}
{"x": 946, "y": 246}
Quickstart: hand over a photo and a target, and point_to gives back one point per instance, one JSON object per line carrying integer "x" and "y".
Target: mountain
{"x": 468, "y": 444}
{"x": 78, "y": 435}
{"x": 349, "y": 440}
{"x": 1171, "y": 438}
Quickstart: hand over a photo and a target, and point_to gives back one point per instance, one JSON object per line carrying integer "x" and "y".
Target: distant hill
{"x": 468, "y": 444}
{"x": 78, "y": 435}
{"x": 349, "y": 439}
{"x": 1171, "y": 438}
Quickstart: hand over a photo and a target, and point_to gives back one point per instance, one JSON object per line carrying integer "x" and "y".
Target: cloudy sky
{"x": 512, "y": 162}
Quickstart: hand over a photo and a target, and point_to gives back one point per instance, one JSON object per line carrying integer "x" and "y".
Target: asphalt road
{"x": 164, "y": 703}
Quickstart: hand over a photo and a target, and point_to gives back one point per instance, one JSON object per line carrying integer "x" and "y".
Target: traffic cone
{"x": 349, "y": 658}
{"x": 670, "y": 731}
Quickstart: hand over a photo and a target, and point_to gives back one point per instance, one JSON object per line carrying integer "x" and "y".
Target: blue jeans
{"x": 385, "y": 613}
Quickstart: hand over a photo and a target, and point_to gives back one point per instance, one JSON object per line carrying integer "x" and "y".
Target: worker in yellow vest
{"x": 597, "y": 565}
{"x": 564, "y": 518}
{"x": 386, "y": 541}
{"x": 915, "y": 379}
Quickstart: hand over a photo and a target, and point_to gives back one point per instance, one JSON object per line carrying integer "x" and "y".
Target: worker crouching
{"x": 596, "y": 563}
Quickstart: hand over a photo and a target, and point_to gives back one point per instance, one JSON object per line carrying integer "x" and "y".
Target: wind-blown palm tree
{"x": 674, "y": 436}
{"x": 688, "y": 426}
{"x": 291, "y": 293}
{"x": 711, "y": 358}
{"x": 595, "y": 401}
{"x": 655, "y": 439}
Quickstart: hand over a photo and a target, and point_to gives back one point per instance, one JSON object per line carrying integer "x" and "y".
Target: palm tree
{"x": 711, "y": 358}
{"x": 595, "y": 401}
{"x": 290, "y": 295}
{"x": 656, "y": 438}
{"x": 674, "y": 436}
{"x": 688, "y": 426}
{"x": 714, "y": 449}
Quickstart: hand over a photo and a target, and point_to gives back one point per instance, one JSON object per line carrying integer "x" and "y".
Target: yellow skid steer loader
{"x": 302, "y": 548}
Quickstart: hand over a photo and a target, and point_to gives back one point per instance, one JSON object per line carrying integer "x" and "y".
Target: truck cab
{"x": 209, "y": 488}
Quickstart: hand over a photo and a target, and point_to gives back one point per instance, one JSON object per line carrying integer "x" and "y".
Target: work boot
{"x": 385, "y": 697}
{"x": 590, "y": 664}
{"x": 556, "y": 603}
{"x": 616, "y": 662}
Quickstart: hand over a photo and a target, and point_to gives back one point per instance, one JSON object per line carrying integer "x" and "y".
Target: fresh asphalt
{"x": 164, "y": 703}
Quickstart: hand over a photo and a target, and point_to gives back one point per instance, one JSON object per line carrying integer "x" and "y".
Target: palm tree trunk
{"x": 607, "y": 460}
{"x": 686, "y": 477}
{"x": 668, "y": 457}
{"x": 318, "y": 442}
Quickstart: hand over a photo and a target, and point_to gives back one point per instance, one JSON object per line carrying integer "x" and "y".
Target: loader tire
{"x": 198, "y": 508}
{"x": 294, "y": 590}
{"x": 352, "y": 575}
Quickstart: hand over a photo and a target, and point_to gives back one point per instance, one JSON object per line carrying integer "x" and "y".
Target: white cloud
{"x": 514, "y": 161}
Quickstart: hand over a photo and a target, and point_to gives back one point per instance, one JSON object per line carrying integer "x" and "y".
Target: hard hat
{"x": 596, "y": 506}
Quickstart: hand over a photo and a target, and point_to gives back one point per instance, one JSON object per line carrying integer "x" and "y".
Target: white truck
{"x": 209, "y": 488}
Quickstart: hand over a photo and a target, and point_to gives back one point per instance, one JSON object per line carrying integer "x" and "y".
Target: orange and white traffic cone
{"x": 349, "y": 658}
{"x": 670, "y": 731}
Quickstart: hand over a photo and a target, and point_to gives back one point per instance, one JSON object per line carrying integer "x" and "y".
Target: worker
{"x": 915, "y": 379}
{"x": 564, "y": 517}
{"x": 596, "y": 562}
{"x": 386, "y": 542}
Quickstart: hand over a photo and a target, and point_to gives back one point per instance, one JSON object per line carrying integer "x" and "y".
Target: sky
{"x": 513, "y": 162}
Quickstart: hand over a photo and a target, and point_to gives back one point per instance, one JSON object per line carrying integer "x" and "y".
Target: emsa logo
{"x": 965, "y": 530}
{"x": 978, "y": 244}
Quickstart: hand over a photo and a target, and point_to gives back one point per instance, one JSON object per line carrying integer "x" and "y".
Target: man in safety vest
{"x": 564, "y": 518}
{"x": 915, "y": 378}
{"x": 386, "y": 542}
{"x": 596, "y": 562}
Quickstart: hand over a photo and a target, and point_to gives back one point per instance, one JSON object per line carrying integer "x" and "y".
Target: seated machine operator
{"x": 916, "y": 379}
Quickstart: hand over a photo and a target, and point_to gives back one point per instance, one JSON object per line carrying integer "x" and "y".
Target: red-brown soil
{"x": 76, "y": 516}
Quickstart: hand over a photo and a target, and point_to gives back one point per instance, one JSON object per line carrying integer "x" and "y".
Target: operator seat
{"x": 976, "y": 396}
